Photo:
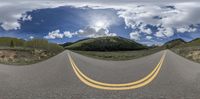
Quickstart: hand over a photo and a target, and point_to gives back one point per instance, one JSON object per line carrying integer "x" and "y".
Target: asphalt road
{"x": 56, "y": 78}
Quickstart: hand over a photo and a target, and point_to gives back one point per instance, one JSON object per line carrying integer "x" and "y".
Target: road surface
{"x": 58, "y": 78}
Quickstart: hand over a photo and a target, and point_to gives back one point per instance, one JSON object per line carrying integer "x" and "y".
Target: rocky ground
{"x": 23, "y": 57}
{"x": 191, "y": 53}
{"x": 194, "y": 55}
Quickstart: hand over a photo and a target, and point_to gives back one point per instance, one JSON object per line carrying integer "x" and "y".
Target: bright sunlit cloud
{"x": 101, "y": 24}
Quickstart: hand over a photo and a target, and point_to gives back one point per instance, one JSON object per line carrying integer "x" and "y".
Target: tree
{"x": 12, "y": 44}
{"x": 168, "y": 47}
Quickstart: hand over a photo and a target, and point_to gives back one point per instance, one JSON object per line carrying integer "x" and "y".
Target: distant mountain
{"x": 174, "y": 43}
{"x": 106, "y": 44}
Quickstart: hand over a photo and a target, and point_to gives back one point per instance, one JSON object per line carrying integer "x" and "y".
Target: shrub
{"x": 44, "y": 45}
{"x": 54, "y": 48}
{"x": 37, "y": 43}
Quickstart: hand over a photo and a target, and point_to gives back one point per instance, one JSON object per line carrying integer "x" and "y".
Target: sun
{"x": 99, "y": 24}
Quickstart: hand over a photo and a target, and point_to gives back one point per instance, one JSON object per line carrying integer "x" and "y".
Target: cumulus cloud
{"x": 135, "y": 35}
{"x": 148, "y": 37}
{"x": 11, "y": 22}
{"x": 26, "y": 17}
{"x": 177, "y": 18}
{"x": 164, "y": 32}
{"x": 92, "y": 32}
{"x": 54, "y": 34}
{"x": 86, "y": 32}
{"x": 57, "y": 34}
{"x": 31, "y": 37}
{"x": 68, "y": 34}
{"x": 11, "y": 12}
{"x": 186, "y": 29}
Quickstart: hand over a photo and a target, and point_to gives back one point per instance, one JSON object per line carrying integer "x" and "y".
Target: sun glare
{"x": 100, "y": 24}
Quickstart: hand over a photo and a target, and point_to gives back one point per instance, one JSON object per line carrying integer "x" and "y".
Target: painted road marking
{"x": 126, "y": 86}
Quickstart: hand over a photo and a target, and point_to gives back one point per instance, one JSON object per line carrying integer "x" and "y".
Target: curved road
{"x": 55, "y": 78}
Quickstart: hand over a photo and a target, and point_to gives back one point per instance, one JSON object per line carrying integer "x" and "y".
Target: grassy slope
{"x": 174, "y": 44}
{"x": 195, "y": 42}
{"x": 118, "y": 55}
{"x": 188, "y": 50}
{"x": 106, "y": 44}
{"x": 111, "y": 48}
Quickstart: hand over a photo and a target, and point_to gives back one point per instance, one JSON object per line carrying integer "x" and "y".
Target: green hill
{"x": 174, "y": 43}
{"x": 195, "y": 42}
{"x": 177, "y": 43}
{"x": 106, "y": 44}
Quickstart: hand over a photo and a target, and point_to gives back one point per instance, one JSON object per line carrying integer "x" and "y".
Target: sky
{"x": 145, "y": 21}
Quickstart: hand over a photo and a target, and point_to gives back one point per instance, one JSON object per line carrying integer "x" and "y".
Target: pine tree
{"x": 12, "y": 44}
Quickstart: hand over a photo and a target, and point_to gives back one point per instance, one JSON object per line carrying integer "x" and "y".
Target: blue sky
{"x": 60, "y": 22}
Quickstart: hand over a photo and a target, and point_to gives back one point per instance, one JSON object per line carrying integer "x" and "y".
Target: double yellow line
{"x": 125, "y": 86}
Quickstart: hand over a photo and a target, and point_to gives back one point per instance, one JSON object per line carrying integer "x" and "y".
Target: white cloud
{"x": 179, "y": 17}
{"x": 135, "y": 35}
{"x": 92, "y": 32}
{"x": 164, "y": 32}
{"x": 148, "y": 37}
{"x": 31, "y": 37}
{"x": 12, "y": 11}
{"x": 86, "y": 32}
{"x": 186, "y": 29}
{"x": 26, "y": 17}
{"x": 68, "y": 34}
{"x": 144, "y": 29}
{"x": 54, "y": 34}
{"x": 58, "y": 34}
{"x": 10, "y": 25}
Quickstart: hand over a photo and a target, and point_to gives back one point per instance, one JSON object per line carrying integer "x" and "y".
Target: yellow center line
{"x": 126, "y": 86}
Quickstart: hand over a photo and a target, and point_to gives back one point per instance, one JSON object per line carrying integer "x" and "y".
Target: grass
{"x": 191, "y": 53}
{"x": 118, "y": 55}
